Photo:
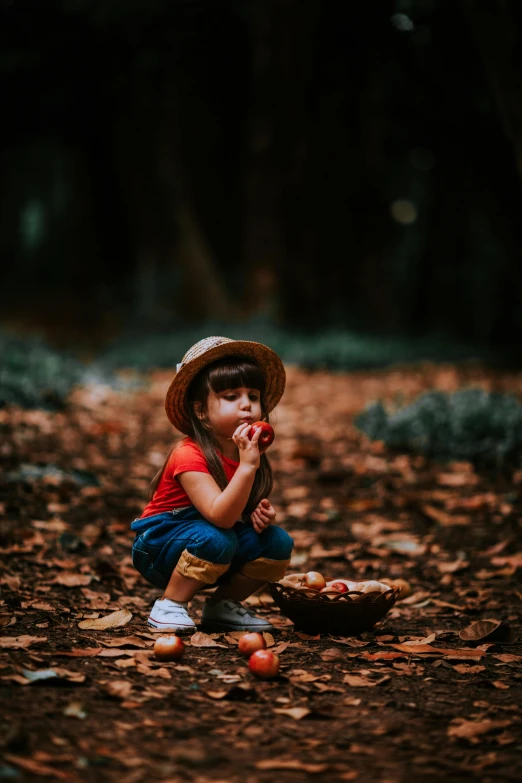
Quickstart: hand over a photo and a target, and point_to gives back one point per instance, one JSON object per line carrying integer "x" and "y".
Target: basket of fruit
{"x": 339, "y": 607}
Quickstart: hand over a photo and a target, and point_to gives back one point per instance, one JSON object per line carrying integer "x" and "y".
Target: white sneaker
{"x": 168, "y": 615}
{"x": 228, "y": 615}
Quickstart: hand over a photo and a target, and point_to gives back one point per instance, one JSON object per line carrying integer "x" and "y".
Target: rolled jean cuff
{"x": 265, "y": 569}
{"x": 196, "y": 568}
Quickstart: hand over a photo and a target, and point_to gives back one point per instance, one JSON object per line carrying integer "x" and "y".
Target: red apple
{"x": 169, "y": 648}
{"x": 267, "y": 434}
{"x": 314, "y": 580}
{"x": 339, "y": 586}
{"x": 250, "y": 643}
{"x": 264, "y": 664}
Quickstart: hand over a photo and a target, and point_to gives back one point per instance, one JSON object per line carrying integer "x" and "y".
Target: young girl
{"x": 209, "y": 521}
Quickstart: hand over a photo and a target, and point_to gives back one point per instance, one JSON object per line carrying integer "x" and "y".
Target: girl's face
{"x": 227, "y": 409}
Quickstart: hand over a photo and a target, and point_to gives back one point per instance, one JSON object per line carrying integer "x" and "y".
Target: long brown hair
{"x": 228, "y": 373}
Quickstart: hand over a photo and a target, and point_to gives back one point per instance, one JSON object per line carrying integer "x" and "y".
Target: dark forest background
{"x": 299, "y": 163}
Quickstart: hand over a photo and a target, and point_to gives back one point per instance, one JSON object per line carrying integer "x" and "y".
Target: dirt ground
{"x": 408, "y": 700}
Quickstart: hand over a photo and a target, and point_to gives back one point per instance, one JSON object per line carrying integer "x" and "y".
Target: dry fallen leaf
{"x": 291, "y": 764}
{"x": 200, "y": 639}
{"x": 420, "y": 649}
{"x": 332, "y": 654}
{"x": 471, "y": 729}
{"x": 359, "y": 681}
{"x": 113, "y": 620}
{"x": 486, "y": 629}
{"x": 13, "y": 642}
{"x": 79, "y": 653}
{"x": 36, "y": 768}
{"x": 297, "y": 713}
{"x": 307, "y": 636}
{"x": 68, "y": 579}
{"x": 120, "y": 689}
{"x": 217, "y": 694}
{"x": 125, "y": 641}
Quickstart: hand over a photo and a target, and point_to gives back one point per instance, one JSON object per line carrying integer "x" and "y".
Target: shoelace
{"x": 176, "y": 610}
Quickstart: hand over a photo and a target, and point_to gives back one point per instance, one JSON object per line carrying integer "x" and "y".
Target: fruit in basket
{"x": 169, "y": 648}
{"x": 314, "y": 580}
{"x": 264, "y": 664}
{"x": 404, "y": 586}
{"x": 341, "y": 587}
{"x": 267, "y": 434}
{"x": 250, "y": 643}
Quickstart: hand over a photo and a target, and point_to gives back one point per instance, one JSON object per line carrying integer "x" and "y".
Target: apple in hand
{"x": 169, "y": 648}
{"x": 267, "y": 434}
{"x": 314, "y": 580}
{"x": 250, "y": 643}
{"x": 264, "y": 664}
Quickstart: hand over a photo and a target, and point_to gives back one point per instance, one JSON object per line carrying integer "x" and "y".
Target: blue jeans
{"x": 183, "y": 540}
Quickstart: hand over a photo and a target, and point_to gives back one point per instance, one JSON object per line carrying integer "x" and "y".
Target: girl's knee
{"x": 278, "y": 544}
{"x": 215, "y": 544}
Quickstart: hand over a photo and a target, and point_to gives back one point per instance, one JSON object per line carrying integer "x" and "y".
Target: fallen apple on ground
{"x": 169, "y": 648}
{"x": 250, "y": 643}
{"x": 264, "y": 664}
{"x": 267, "y": 434}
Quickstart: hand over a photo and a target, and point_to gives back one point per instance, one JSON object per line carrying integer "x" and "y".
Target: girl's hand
{"x": 248, "y": 449}
{"x": 263, "y": 516}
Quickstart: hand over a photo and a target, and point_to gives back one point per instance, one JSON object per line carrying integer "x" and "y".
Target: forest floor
{"x": 408, "y": 700}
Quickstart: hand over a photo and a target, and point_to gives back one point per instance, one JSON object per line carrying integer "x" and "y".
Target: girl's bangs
{"x": 236, "y": 374}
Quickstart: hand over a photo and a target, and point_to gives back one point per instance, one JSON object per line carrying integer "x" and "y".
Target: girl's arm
{"x": 224, "y": 507}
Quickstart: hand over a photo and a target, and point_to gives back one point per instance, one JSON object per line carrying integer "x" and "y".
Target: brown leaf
{"x": 499, "y": 685}
{"x": 13, "y": 642}
{"x": 444, "y": 518}
{"x": 113, "y": 620}
{"x": 512, "y": 560}
{"x": 297, "y": 713}
{"x": 89, "y": 652}
{"x": 452, "y": 568}
{"x": 13, "y": 582}
{"x": 281, "y": 647}
{"x": 200, "y": 639}
{"x": 359, "y": 681}
{"x": 463, "y": 668}
{"x": 486, "y": 629}
{"x": 508, "y": 657}
{"x": 68, "y": 579}
{"x": 383, "y": 656}
{"x": 307, "y": 637}
{"x": 419, "y": 649}
{"x": 471, "y": 729}
{"x": 119, "y": 689}
{"x": 291, "y": 764}
{"x": 332, "y": 654}
{"x": 125, "y": 641}
{"x": 37, "y": 769}
{"x": 456, "y": 479}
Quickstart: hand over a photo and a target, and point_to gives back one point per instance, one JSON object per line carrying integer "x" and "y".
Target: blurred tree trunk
{"x": 496, "y": 28}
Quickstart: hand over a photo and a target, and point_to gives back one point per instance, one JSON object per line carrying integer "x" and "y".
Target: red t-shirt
{"x": 169, "y": 492}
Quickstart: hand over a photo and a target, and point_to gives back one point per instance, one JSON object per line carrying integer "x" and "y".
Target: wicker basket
{"x": 341, "y": 614}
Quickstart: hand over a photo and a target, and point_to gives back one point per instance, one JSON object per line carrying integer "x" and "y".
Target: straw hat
{"x": 209, "y": 350}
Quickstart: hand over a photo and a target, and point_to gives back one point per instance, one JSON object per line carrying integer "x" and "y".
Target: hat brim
{"x": 262, "y": 355}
